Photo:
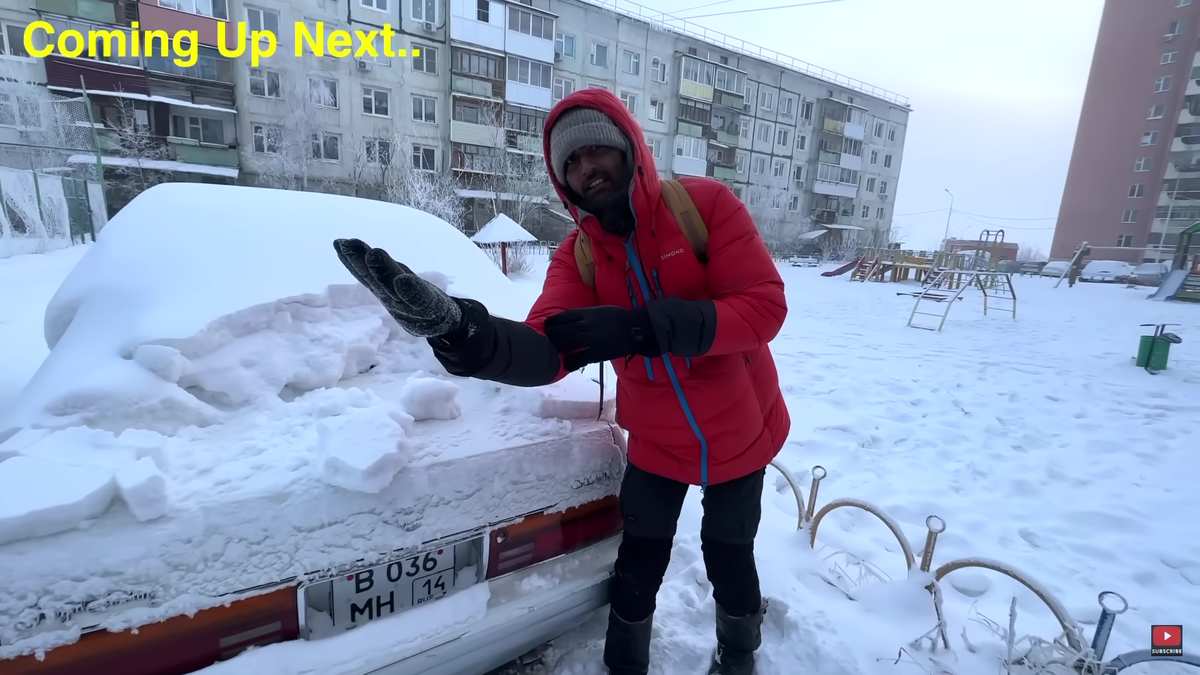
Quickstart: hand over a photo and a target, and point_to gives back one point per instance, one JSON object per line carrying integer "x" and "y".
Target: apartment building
{"x": 1135, "y": 167}
{"x": 803, "y": 147}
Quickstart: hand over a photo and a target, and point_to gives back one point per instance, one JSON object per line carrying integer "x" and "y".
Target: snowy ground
{"x": 1037, "y": 441}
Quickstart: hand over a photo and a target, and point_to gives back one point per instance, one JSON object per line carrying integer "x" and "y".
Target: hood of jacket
{"x": 645, "y": 189}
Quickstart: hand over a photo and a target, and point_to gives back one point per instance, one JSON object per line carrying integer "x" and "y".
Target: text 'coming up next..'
{"x": 42, "y": 39}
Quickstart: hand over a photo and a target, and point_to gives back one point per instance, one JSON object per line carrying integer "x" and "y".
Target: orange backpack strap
{"x": 688, "y": 217}
{"x": 584, "y": 260}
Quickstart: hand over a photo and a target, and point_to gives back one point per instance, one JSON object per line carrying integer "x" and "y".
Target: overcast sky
{"x": 995, "y": 87}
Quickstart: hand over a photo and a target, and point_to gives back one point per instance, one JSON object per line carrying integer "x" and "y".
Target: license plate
{"x": 393, "y": 587}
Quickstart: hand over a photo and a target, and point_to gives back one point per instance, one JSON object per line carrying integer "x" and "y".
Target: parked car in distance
{"x": 1055, "y": 268}
{"x": 1106, "y": 271}
{"x": 1150, "y": 274}
{"x": 1032, "y": 268}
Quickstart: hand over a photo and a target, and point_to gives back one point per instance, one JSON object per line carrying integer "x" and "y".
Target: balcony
{"x": 848, "y": 161}
{"x": 689, "y": 166}
{"x": 154, "y": 17}
{"x": 97, "y": 76}
{"x": 724, "y": 173}
{"x": 485, "y": 135}
{"x": 824, "y": 187}
{"x": 521, "y": 141}
{"x": 824, "y": 216}
{"x": 200, "y": 154}
{"x": 827, "y": 157}
{"x": 833, "y": 126}
{"x": 471, "y": 86}
{"x": 690, "y": 129}
{"x": 475, "y": 159}
{"x": 729, "y": 99}
{"x": 92, "y": 10}
{"x": 696, "y": 90}
{"x": 726, "y": 138}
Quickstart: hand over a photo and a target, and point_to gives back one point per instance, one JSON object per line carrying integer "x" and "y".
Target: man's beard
{"x": 612, "y": 208}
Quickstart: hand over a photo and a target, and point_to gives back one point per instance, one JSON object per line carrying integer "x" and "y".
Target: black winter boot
{"x": 738, "y": 637}
{"x": 627, "y": 645}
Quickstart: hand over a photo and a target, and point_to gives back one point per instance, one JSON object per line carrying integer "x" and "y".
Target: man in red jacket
{"x": 697, "y": 387}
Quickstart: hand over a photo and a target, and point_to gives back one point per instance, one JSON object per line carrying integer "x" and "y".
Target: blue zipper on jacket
{"x": 687, "y": 409}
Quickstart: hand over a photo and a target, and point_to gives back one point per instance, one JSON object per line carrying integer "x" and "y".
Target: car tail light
{"x": 176, "y": 646}
{"x": 545, "y": 535}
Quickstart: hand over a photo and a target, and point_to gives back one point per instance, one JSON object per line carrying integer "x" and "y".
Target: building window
{"x": 1156, "y": 112}
{"x": 265, "y": 83}
{"x": 262, "y": 19}
{"x": 801, "y": 142}
{"x": 529, "y": 72}
{"x": 375, "y": 102}
{"x": 870, "y": 187}
{"x": 528, "y": 23}
{"x": 887, "y": 161}
{"x": 1143, "y": 164}
{"x": 12, "y": 40}
{"x": 879, "y": 213}
{"x": 655, "y": 147}
{"x": 323, "y": 93}
{"x": 202, "y": 129}
{"x": 794, "y": 203}
{"x": 806, "y": 109}
{"x": 866, "y": 212}
{"x": 631, "y": 62}
{"x": 475, "y": 64}
{"x": 883, "y": 187}
{"x": 1137, "y": 190}
{"x": 379, "y": 5}
{"x": 563, "y": 88}
{"x": 764, "y": 132}
{"x": 1150, "y": 138}
{"x": 1125, "y": 240}
{"x": 695, "y": 112}
{"x": 740, "y": 163}
{"x": 1130, "y": 216}
{"x": 688, "y": 146}
{"x": 326, "y": 147}
{"x": 755, "y": 197}
{"x": 1184, "y": 3}
{"x": 1169, "y": 57}
{"x": 798, "y": 174}
{"x": 879, "y": 130}
{"x": 1176, "y": 28}
{"x": 786, "y": 106}
{"x": 599, "y": 55}
{"x": 266, "y": 138}
{"x": 745, "y": 129}
{"x": 779, "y": 168}
{"x": 892, "y": 134}
{"x": 874, "y": 156}
{"x": 425, "y": 11}
{"x": 776, "y": 200}
{"x": 658, "y": 110}
{"x": 1162, "y": 84}
{"x": 483, "y": 11}
{"x": 783, "y": 137}
{"x": 424, "y": 158}
{"x": 379, "y": 151}
{"x": 427, "y": 61}
{"x": 758, "y": 165}
{"x": 564, "y": 44}
{"x": 424, "y": 109}
{"x": 658, "y": 70}
{"x": 766, "y": 100}
{"x": 630, "y": 101}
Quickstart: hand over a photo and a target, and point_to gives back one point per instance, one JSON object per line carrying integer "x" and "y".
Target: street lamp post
{"x": 946, "y": 236}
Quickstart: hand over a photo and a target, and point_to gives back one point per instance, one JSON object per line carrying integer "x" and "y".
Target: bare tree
{"x": 296, "y": 140}
{"x": 391, "y": 169}
{"x": 1031, "y": 254}
{"x": 514, "y": 178}
{"x": 142, "y": 152}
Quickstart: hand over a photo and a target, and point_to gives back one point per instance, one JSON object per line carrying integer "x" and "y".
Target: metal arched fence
{"x": 1091, "y": 656}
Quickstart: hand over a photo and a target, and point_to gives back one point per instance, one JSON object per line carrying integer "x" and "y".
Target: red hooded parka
{"x": 701, "y": 420}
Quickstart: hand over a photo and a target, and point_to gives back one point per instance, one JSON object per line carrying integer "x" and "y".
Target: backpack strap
{"x": 584, "y": 260}
{"x": 688, "y": 217}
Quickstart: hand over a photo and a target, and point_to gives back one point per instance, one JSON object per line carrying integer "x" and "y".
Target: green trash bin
{"x": 1158, "y": 359}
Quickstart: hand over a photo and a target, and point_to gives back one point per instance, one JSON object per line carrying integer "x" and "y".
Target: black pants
{"x": 651, "y": 505}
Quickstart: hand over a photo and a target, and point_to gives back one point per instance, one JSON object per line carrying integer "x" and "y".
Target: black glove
{"x": 598, "y": 334}
{"x": 421, "y": 309}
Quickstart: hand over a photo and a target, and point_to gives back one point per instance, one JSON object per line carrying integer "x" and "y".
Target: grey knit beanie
{"x": 581, "y": 127}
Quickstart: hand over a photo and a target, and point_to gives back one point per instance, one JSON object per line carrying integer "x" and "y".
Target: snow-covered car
{"x": 1149, "y": 274}
{"x": 1106, "y": 271}
{"x": 231, "y": 444}
{"x": 1055, "y": 268}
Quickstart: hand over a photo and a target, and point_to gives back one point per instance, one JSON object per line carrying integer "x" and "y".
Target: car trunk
{"x": 271, "y": 541}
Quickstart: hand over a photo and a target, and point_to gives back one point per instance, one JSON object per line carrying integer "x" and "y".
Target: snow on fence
{"x": 47, "y": 201}
{"x": 1066, "y": 653}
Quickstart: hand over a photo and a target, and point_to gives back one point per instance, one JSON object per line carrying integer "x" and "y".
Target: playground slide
{"x": 1170, "y": 286}
{"x": 841, "y": 270}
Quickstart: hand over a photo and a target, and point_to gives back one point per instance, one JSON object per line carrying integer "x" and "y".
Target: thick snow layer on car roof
{"x": 231, "y": 408}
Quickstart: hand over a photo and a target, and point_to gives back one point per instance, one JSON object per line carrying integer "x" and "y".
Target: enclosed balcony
{"x": 477, "y": 123}
{"x": 697, "y": 78}
{"x": 98, "y": 76}
{"x": 476, "y": 74}
{"x": 90, "y": 10}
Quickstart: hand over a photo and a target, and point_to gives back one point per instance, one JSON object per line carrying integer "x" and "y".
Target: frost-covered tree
{"x": 514, "y": 182}
{"x": 398, "y": 169}
{"x": 141, "y": 153}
